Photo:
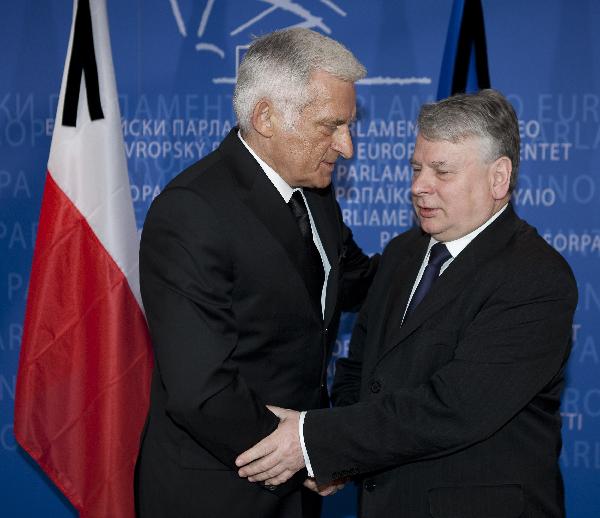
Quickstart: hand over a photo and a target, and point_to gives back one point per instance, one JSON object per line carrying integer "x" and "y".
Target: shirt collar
{"x": 458, "y": 245}
{"x": 280, "y": 184}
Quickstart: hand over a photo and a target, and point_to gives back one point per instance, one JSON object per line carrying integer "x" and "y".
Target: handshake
{"x": 276, "y": 458}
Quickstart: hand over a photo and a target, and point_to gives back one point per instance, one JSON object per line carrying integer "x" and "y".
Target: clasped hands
{"x": 276, "y": 458}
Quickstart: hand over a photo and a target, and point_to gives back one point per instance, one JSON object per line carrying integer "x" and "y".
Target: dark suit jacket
{"x": 459, "y": 406}
{"x": 233, "y": 328}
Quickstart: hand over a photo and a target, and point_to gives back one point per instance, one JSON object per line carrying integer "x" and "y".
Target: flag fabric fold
{"x": 85, "y": 362}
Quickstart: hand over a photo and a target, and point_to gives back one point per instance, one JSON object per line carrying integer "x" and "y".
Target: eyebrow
{"x": 437, "y": 164}
{"x": 338, "y": 122}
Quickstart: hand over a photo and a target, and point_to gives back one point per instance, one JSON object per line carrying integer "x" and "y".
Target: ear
{"x": 501, "y": 172}
{"x": 262, "y": 116}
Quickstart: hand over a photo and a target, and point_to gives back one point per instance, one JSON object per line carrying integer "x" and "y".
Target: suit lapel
{"x": 319, "y": 202}
{"x": 401, "y": 284}
{"x": 324, "y": 222}
{"x": 445, "y": 289}
{"x": 484, "y": 247}
{"x": 262, "y": 198}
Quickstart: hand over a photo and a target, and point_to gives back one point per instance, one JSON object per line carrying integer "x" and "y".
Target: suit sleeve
{"x": 358, "y": 274}
{"x": 517, "y": 345}
{"x": 346, "y": 383}
{"x": 187, "y": 279}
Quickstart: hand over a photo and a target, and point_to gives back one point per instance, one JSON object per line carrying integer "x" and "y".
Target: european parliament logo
{"x": 315, "y": 14}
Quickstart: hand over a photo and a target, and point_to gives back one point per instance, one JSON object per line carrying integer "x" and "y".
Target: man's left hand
{"x": 278, "y": 456}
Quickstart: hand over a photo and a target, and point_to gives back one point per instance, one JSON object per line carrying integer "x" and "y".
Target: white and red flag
{"x": 85, "y": 363}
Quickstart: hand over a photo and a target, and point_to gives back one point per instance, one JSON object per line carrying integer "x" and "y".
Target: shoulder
{"x": 534, "y": 253}
{"x": 204, "y": 185}
{"x": 405, "y": 242}
{"x": 529, "y": 263}
{"x": 208, "y": 174}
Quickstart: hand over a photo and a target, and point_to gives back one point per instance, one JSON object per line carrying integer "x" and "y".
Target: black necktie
{"x": 315, "y": 275}
{"x": 437, "y": 256}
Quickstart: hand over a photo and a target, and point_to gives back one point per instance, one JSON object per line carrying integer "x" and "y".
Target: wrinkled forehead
{"x": 436, "y": 152}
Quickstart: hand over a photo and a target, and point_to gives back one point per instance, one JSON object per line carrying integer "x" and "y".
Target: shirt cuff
{"x": 304, "y": 452}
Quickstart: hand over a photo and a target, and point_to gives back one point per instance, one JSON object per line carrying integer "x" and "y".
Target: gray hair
{"x": 278, "y": 66}
{"x": 486, "y": 114}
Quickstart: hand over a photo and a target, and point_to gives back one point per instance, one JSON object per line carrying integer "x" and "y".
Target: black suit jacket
{"x": 233, "y": 328}
{"x": 459, "y": 406}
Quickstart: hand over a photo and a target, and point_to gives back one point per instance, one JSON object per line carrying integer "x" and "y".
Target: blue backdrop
{"x": 175, "y": 63}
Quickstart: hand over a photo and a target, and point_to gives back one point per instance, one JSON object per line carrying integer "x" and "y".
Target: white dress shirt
{"x": 454, "y": 247}
{"x": 286, "y": 193}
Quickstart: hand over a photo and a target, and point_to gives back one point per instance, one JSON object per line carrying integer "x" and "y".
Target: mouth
{"x": 328, "y": 165}
{"x": 426, "y": 212}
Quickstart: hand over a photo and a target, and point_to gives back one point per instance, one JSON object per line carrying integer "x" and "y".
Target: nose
{"x": 421, "y": 183}
{"x": 342, "y": 141}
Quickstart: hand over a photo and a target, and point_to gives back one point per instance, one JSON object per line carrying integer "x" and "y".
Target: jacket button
{"x": 375, "y": 386}
{"x": 369, "y": 485}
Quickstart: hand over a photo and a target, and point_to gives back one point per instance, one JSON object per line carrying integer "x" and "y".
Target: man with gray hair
{"x": 448, "y": 404}
{"x": 245, "y": 265}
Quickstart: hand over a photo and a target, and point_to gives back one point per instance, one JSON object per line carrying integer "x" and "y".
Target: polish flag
{"x": 85, "y": 363}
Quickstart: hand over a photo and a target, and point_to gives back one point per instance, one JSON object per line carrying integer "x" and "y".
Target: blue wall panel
{"x": 175, "y": 64}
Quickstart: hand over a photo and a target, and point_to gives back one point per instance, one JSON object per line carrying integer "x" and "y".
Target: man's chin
{"x": 323, "y": 179}
{"x": 428, "y": 226}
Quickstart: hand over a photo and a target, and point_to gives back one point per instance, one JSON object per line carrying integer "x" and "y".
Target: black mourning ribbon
{"x": 471, "y": 38}
{"x": 82, "y": 61}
